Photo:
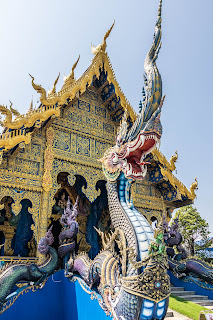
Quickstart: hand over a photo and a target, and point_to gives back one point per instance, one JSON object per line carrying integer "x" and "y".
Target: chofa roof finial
{"x": 102, "y": 46}
{"x": 193, "y": 187}
{"x": 15, "y": 112}
{"x": 70, "y": 78}
{"x": 39, "y": 89}
{"x": 53, "y": 90}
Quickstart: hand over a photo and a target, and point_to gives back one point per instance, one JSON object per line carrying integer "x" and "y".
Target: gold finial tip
{"x": 173, "y": 160}
{"x": 193, "y": 187}
{"x": 53, "y": 90}
{"x": 102, "y": 46}
{"x": 70, "y": 78}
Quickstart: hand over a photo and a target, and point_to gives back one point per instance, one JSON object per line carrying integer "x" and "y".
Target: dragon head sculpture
{"x": 134, "y": 144}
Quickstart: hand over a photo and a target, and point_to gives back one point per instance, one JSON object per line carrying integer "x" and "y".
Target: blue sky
{"x": 45, "y": 37}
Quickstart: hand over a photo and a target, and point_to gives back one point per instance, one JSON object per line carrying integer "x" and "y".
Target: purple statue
{"x": 45, "y": 242}
{"x": 173, "y": 238}
{"x": 70, "y": 229}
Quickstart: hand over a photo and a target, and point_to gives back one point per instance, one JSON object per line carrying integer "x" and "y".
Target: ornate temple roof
{"x": 99, "y": 74}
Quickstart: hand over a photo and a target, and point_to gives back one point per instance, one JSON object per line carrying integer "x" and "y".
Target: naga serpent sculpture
{"x": 180, "y": 264}
{"x": 130, "y": 273}
{"x": 31, "y": 273}
{"x": 70, "y": 229}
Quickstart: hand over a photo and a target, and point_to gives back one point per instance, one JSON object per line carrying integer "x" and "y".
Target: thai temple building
{"x": 53, "y": 152}
{"x": 66, "y": 183}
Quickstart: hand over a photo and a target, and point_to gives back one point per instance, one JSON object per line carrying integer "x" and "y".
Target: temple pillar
{"x": 46, "y": 185}
{"x": 8, "y": 232}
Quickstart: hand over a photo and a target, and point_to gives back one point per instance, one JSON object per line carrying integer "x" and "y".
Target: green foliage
{"x": 193, "y": 228}
{"x": 188, "y": 308}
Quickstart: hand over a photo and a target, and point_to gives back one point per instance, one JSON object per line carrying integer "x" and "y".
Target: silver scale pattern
{"x": 119, "y": 218}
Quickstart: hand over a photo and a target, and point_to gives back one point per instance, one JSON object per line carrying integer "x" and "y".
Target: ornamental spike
{"x": 70, "y": 78}
{"x": 102, "y": 46}
{"x": 53, "y": 90}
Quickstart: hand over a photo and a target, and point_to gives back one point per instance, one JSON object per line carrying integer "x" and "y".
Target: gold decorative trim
{"x": 10, "y": 139}
{"x": 21, "y": 174}
{"x": 10, "y": 302}
{"x": 166, "y": 169}
{"x": 73, "y": 159}
{"x": 82, "y": 134}
{"x": 34, "y": 197}
{"x": 41, "y": 114}
{"x": 179, "y": 185}
{"x": 53, "y": 90}
{"x": 70, "y": 78}
{"x": 83, "y": 82}
{"x": 193, "y": 187}
{"x": 102, "y": 46}
{"x": 20, "y": 186}
{"x": 49, "y": 108}
{"x": 19, "y": 259}
{"x": 170, "y": 165}
{"x": 148, "y": 202}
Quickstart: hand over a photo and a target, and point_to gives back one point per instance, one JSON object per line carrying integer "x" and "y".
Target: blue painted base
{"x": 190, "y": 286}
{"x": 60, "y": 299}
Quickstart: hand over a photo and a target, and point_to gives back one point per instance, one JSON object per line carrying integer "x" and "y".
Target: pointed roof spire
{"x": 102, "y": 46}
{"x": 30, "y": 110}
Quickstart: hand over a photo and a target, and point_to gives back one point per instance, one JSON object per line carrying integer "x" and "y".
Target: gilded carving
{"x": 62, "y": 141}
{"x": 193, "y": 187}
{"x": 34, "y": 197}
{"x": 91, "y": 174}
{"x": 24, "y": 166}
{"x": 170, "y": 165}
{"x": 177, "y": 184}
{"x": 48, "y": 160}
{"x": 10, "y": 139}
{"x": 102, "y": 47}
{"x": 83, "y": 146}
{"x": 28, "y": 120}
{"x": 8, "y": 232}
{"x": 16, "y": 207}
